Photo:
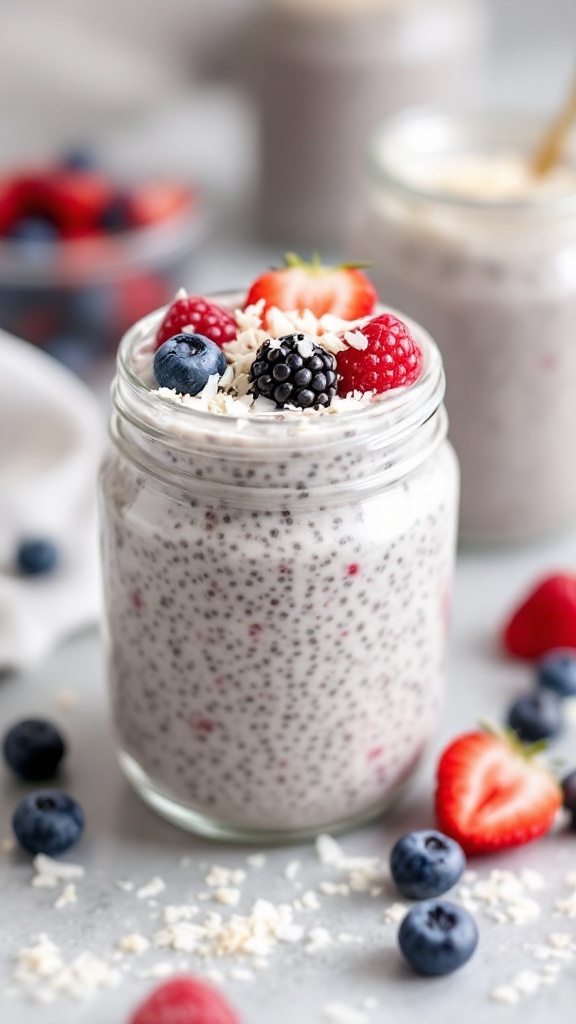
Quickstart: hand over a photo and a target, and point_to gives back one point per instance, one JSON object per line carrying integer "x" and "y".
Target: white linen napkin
{"x": 51, "y": 440}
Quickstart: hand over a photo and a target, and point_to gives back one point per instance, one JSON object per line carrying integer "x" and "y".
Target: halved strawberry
{"x": 203, "y": 317}
{"x": 184, "y": 1000}
{"x": 343, "y": 291}
{"x": 491, "y": 794}
{"x": 546, "y": 619}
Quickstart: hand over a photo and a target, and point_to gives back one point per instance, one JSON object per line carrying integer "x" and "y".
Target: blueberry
{"x": 34, "y": 748}
{"x": 426, "y": 864}
{"x": 569, "y": 793}
{"x": 48, "y": 821}
{"x": 33, "y": 230}
{"x": 557, "y": 671}
{"x": 36, "y": 556}
{"x": 186, "y": 361}
{"x": 537, "y": 716}
{"x": 79, "y": 158}
{"x": 437, "y": 937}
{"x": 117, "y": 215}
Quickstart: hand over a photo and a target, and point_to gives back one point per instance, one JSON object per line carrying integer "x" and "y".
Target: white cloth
{"x": 51, "y": 440}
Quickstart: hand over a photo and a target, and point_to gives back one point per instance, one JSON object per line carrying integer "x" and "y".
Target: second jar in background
{"x": 485, "y": 256}
{"x": 324, "y": 74}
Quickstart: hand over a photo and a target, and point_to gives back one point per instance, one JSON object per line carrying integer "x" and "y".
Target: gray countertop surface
{"x": 124, "y": 840}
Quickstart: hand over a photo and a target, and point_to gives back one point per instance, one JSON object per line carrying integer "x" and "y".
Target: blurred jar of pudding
{"x": 324, "y": 73}
{"x": 470, "y": 242}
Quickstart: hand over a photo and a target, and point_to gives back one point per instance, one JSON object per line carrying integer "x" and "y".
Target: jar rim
{"x": 397, "y": 412}
{"x": 418, "y": 126}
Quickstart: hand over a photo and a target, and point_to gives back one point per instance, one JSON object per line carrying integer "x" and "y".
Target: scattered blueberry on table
{"x": 426, "y": 864}
{"x": 437, "y": 937}
{"x": 536, "y": 716}
{"x": 34, "y": 748}
{"x": 36, "y": 556}
{"x": 48, "y": 821}
{"x": 557, "y": 671}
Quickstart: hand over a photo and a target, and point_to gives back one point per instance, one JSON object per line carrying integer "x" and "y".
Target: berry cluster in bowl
{"x": 307, "y": 338}
{"x": 83, "y": 255}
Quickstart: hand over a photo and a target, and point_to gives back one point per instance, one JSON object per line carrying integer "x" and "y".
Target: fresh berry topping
{"x": 491, "y": 794}
{"x": 545, "y": 620}
{"x": 437, "y": 937}
{"x": 294, "y": 371}
{"x": 426, "y": 864}
{"x": 48, "y": 821}
{"x": 184, "y": 1000}
{"x": 343, "y": 291}
{"x": 391, "y": 358}
{"x": 557, "y": 672}
{"x": 184, "y": 363}
{"x": 34, "y": 748}
{"x": 536, "y": 716}
{"x": 569, "y": 795}
{"x": 36, "y": 556}
{"x": 201, "y": 317}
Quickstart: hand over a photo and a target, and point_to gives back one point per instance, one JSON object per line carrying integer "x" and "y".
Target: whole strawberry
{"x": 391, "y": 358}
{"x": 492, "y": 794}
{"x": 193, "y": 314}
{"x": 342, "y": 291}
{"x": 184, "y": 1000}
{"x": 546, "y": 619}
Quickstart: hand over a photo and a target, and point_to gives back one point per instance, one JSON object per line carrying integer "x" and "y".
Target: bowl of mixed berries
{"x": 83, "y": 255}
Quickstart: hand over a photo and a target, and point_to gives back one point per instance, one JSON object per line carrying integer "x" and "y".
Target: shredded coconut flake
{"x": 338, "y": 1013}
{"x": 152, "y": 888}
{"x": 66, "y": 897}
{"x": 57, "y": 869}
{"x": 134, "y": 943}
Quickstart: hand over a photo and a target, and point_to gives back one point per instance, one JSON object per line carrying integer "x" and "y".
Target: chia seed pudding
{"x": 277, "y": 590}
{"x": 324, "y": 75}
{"x": 465, "y": 239}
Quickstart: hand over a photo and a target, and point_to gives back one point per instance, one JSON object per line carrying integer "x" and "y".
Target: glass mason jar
{"x": 495, "y": 282}
{"x": 277, "y": 595}
{"x": 324, "y": 73}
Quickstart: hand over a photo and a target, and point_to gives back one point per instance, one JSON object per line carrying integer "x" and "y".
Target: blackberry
{"x": 294, "y": 371}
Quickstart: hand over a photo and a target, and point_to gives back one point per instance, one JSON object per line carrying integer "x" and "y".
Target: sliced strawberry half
{"x": 544, "y": 620}
{"x": 184, "y": 1000}
{"x": 343, "y": 291}
{"x": 194, "y": 312}
{"x": 492, "y": 794}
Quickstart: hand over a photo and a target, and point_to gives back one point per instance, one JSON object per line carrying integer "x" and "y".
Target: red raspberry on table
{"x": 184, "y": 1000}
{"x": 391, "y": 359}
{"x": 206, "y": 318}
{"x": 546, "y": 619}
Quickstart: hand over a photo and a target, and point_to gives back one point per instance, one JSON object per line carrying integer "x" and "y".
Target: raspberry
{"x": 391, "y": 359}
{"x": 294, "y": 371}
{"x": 184, "y": 1000}
{"x": 545, "y": 620}
{"x": 205, "y": 318}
